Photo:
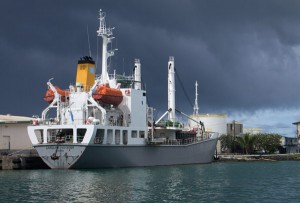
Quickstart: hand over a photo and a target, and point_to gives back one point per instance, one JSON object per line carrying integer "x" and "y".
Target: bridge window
{"x": 125, "y": 137}
{"x": 142, "y": 134}
{"x": 80, "y": 134}
{"x": 60, "y": 135}
{"x": 117, "y": 137}
{"x": 134, "y": 134}
{"x": 99, "y": 136}
{"x": 39, "y": 135}
{"x": 109, "y": 136}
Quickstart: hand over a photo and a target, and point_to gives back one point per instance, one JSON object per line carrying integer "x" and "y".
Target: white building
{"x": 252, "y": 131}
{"x": 13, "y": 132}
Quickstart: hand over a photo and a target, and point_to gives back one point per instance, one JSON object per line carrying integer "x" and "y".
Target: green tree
{"x": 268, "y": 142}
{"x": 226, "y": 143}
{"x": 247, "y": 142}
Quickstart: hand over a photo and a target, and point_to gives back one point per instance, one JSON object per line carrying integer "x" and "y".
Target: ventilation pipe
{"x": 137, "y": 74}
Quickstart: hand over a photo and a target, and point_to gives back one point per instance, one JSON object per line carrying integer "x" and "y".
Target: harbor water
{"x": 277, "y": 181}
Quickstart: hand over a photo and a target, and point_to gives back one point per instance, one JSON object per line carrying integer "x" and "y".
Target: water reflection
{"x": 217, "y": 182}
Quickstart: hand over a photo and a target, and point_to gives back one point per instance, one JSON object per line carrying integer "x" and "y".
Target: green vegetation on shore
{"x": 250, "y": 144}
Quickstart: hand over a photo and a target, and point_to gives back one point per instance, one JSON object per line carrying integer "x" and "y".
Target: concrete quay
{"x": 26, "y": 159}
{"x": 258, "y": 157}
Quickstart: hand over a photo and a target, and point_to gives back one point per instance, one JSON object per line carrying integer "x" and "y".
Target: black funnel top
{"x": 86, "y": 59}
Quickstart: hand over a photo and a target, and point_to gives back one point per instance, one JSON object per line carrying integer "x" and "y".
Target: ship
{"x": 104, "y": 121}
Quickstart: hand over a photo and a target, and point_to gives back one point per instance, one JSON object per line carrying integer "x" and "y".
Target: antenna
{"x": 196, "y": 99}
{"x": 123, "y": 65}
{"x": 88, "y": 36}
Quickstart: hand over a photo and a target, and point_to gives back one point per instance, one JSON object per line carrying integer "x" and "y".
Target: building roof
{"x": 253, "y": 129}
{"x": 223, "y": 115}
{"x": 296, "y": 123}
{"x": 289, "y": 136}
{"x": 9, "y": 119}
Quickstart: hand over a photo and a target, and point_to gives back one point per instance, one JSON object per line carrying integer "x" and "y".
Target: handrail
{"x": 181, "y": 141}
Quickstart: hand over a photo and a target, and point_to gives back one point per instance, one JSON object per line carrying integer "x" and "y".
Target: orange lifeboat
{"x": 108, "y": 95}
{"x": 49, "y": 96}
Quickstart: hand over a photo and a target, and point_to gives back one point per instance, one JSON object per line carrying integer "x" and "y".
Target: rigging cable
{"x": 182, "y": 86}
{"x": 109, "y": 64}
{"x": 88, "y": 36}
{"x": 97, "y": 54}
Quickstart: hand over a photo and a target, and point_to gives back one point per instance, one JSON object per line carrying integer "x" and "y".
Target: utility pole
{"x": 297, "y": 149}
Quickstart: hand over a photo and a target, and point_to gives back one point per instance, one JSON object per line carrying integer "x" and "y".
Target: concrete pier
{"x": 258, "y": 157}
{"x": 22, "y": 160}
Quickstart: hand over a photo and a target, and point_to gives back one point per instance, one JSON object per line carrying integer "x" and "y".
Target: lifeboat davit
{"x": 49, "y": 96}
{"x": 108, "y": 95}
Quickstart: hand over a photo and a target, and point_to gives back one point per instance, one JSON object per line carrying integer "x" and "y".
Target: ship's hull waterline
{"x": 95, "y": 156}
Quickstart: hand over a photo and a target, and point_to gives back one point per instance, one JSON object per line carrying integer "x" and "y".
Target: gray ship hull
{"x": 106, "y": 156}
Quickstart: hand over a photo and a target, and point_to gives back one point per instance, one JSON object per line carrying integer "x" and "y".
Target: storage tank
{"x": 212, "y": 122}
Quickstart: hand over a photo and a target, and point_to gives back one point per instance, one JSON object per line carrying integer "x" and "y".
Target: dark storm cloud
{"x": 244, "y": 54}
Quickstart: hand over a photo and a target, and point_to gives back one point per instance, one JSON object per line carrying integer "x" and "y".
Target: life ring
{"x": 88, "y": 121}
{"x": 127, "y": 92}
{"x": 35, "y": 122}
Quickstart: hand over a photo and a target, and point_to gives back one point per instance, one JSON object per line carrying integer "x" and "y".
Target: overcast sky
{"x": 244, "y": 54}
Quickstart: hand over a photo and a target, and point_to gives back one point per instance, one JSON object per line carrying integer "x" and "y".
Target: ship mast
{"x": 105, "y": 33}
{"x": 196, "y": 99}
{"x": 171, "y": 89}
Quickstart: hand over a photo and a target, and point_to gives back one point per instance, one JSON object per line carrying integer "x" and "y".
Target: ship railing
{"x": 80, "y": 88}
{"x": 115, "y": 76}
{"x": 183, "y": 141}
{"x": 50, "y": 121}
{"x": 53, "y": 121}
{"x": 123, "y": 77}
{"x": 85, "y": 88}
{"x": 60, "y": 140}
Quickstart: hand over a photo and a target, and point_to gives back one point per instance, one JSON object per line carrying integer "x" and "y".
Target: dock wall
{"x": 28, "y": 159}
{"x": 257, "y": 157}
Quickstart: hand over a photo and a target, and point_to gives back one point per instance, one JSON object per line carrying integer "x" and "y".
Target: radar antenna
{"x": 106, "y": 34}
